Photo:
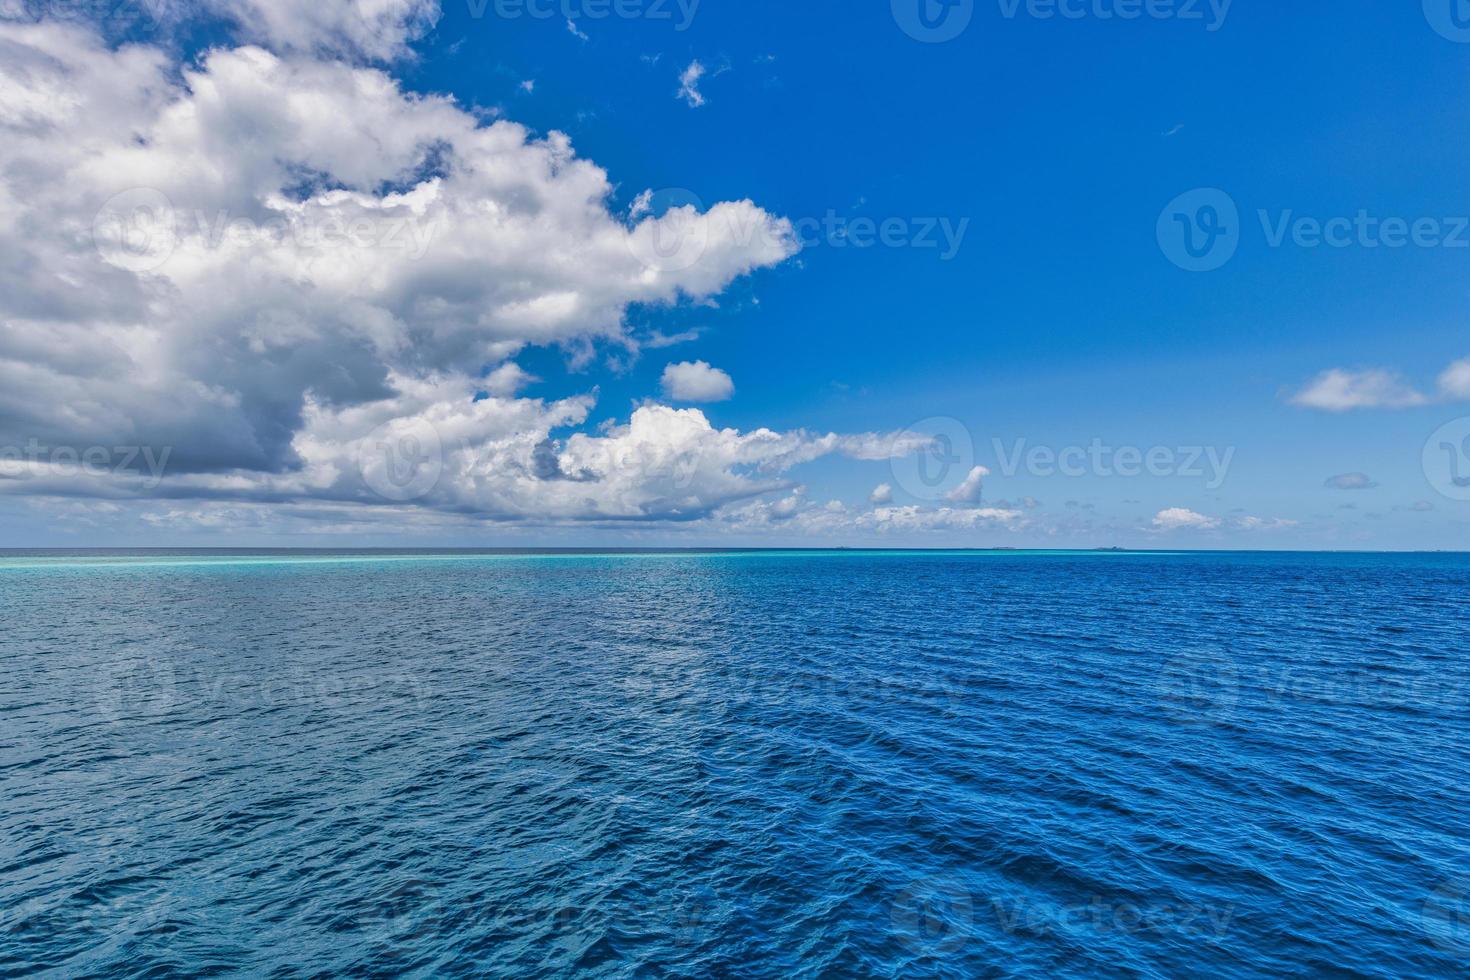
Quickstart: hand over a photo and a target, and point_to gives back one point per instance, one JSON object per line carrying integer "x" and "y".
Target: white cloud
{"x": 1350, "y": 481}
{"x": 970, "y": 489}
{"x": 882, "y": 494}
{"x": 1455, "y": 381}
{"x": 508, "y": 379}
{"x": 689, "y": 84}
{"x": 1263, "y": 524}
{"x": 913, "y": 518}
{"x": 696, "y": 381}
{"x": 378, "y": 30}
{"x": 329, "y": 255}
{"x": 1179, "y": 518}
{"x": 1340, "y": 391}
{"x": 575, "y": 31}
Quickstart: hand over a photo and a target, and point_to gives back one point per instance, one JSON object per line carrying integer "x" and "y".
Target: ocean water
{"x": 758, "y": 764}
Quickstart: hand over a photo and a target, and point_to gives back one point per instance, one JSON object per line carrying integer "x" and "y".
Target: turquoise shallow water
{"x": 955, "y": 764}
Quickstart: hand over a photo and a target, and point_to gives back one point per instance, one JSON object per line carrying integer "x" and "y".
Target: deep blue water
{"x": 757, "y": 764}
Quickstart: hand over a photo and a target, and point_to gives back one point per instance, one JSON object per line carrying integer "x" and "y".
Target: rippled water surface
{"x": 773, "y": 765}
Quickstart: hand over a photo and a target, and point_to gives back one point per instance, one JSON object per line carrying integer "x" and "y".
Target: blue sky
{"x": 1046, "y": 149}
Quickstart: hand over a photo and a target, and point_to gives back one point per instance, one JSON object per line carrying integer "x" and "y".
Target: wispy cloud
{"x": 689, "y": 84}
{"x": 1342, "y": 391}
{"x": 1182, "y": 518}
{"x": 1350, "y": 481}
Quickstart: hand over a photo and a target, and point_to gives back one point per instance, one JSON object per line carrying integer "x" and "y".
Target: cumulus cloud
{"x": 1350, "y": 481}
{"x": 1181, "y": 518}
{"x": 696, "y": 381}
{"x": 1262, "y": 523}
{"x": 357, "y": 30}
{"x": 882, "y": 494}
{"x": 914, "y": 518}
{"x": 290, "y": 289}
{"x": 1341, "y": 391}
{"x": 272, "y": 266}
{"x": 1455, "y": 381}
{"x": 374, "y": 29}
{"x": 689, "y": 84}
{"x": 970, "y": 489}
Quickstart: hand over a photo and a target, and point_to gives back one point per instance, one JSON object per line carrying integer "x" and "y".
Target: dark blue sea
{"x": 755, "y": 764}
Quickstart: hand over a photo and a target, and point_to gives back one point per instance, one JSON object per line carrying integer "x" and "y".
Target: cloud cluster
{"x": 308, "y": 284}
{"x": 696, "y": 381}
{"x": 1339, "y": 390}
